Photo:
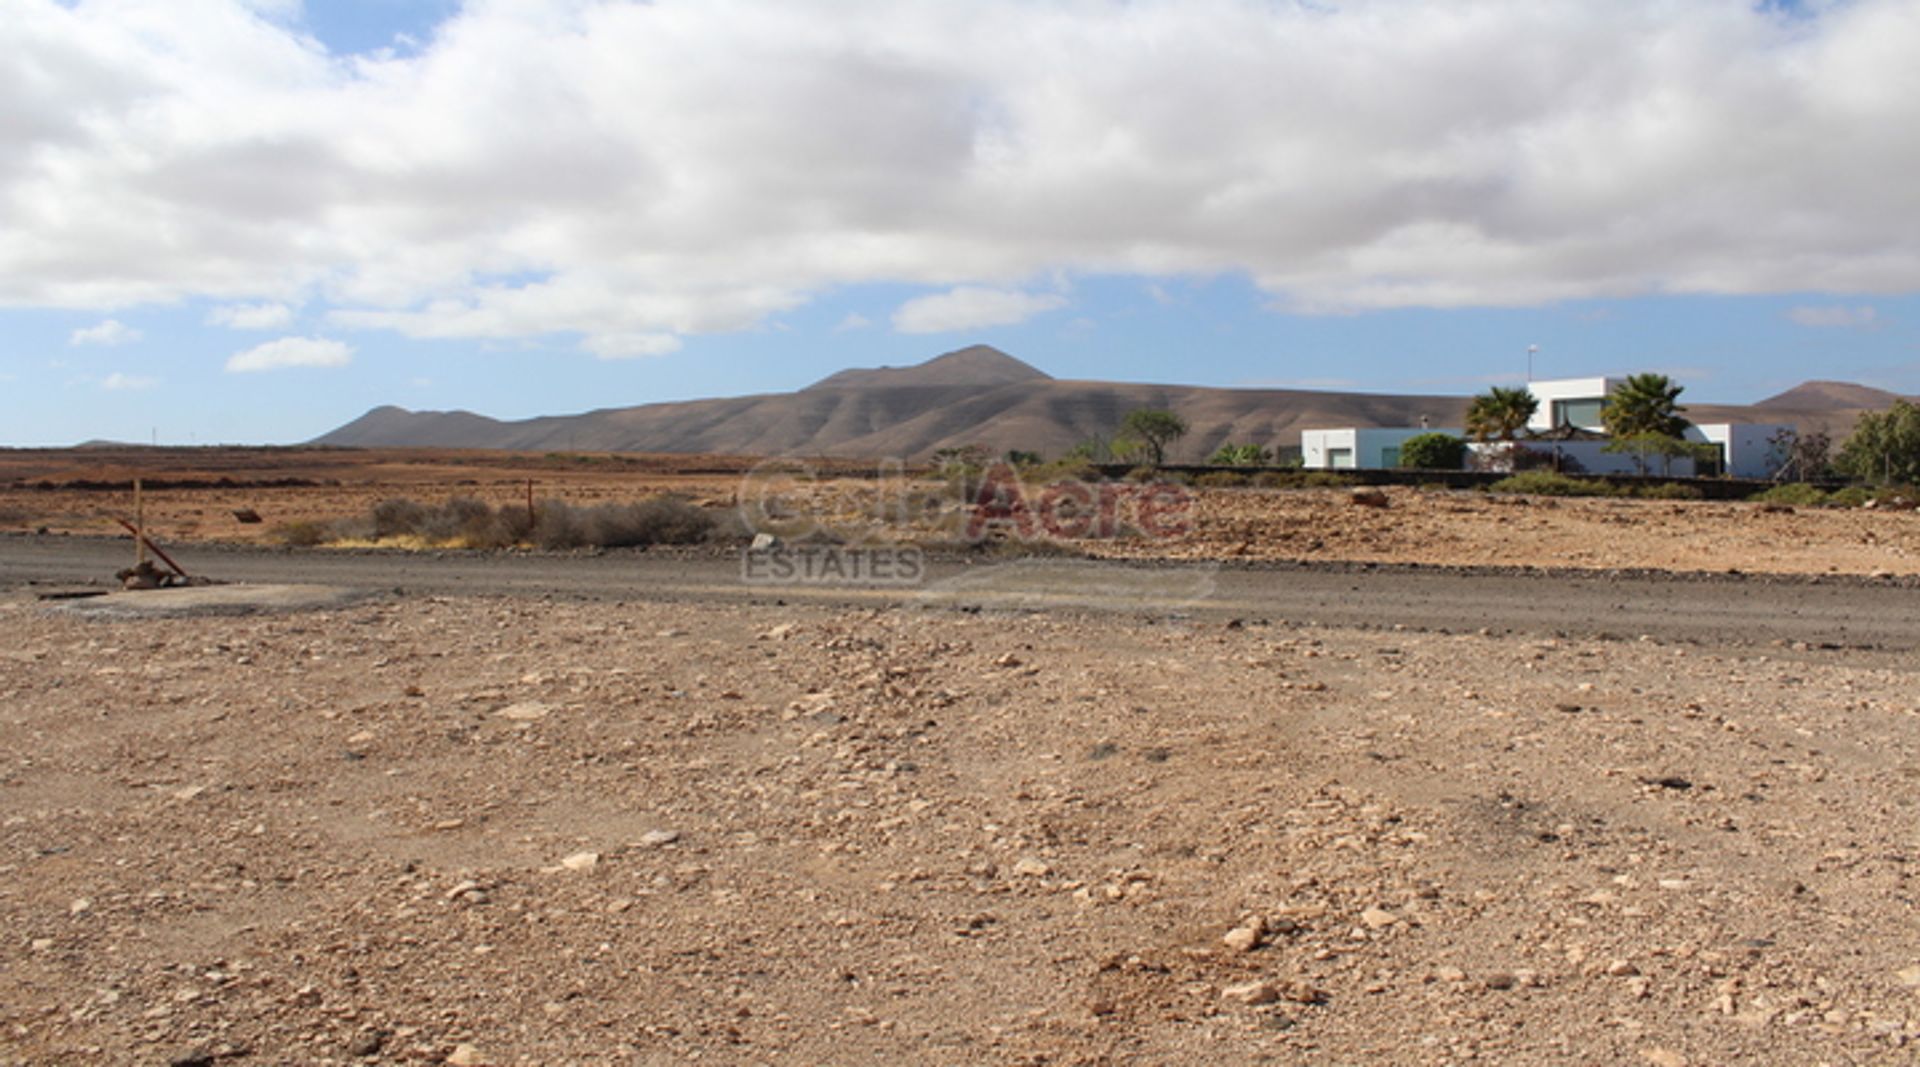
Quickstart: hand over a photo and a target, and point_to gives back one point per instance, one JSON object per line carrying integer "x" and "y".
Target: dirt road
{"x": 1710, "y": 610}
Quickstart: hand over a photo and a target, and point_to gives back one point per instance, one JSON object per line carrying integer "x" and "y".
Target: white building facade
{"x": 1747, "y": 450}
{"x": 1358, "y": 448}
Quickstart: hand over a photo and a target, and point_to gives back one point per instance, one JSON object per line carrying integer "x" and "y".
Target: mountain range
{"x": 980, "y": 395}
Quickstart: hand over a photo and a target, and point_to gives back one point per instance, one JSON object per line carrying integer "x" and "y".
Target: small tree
{"x": 1154, "y": 430}
{"x": 1500, "y": 414}
{"x": 1645, "y": 404}
{"x": 1885, "y": 447}
{"x": 1094, "y": 449}
{"x": 1434, "y": 452}
{"x": 1247, "y": 455}
{"x": 1643, "y": 446}
{"x": 1803, "y": 457}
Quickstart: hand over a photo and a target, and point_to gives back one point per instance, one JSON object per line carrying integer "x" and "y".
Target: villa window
{"x": 1582, "y": 413}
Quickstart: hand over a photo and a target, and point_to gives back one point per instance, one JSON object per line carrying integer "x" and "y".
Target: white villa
{"x": 1566, "y": 426}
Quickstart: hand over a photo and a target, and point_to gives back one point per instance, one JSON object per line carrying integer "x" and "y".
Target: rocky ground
{"x": 531, "y": 831}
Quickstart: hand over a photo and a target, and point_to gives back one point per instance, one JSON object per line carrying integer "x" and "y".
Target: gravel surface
{"x": 1713, "y": 610}
{"x": 534, "y": 830}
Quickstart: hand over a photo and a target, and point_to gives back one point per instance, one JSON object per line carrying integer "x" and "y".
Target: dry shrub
{"x": 305, "y": 533}
{"x": 398, "y": 517}
{"x": 660, "y": 520}
{"x": 468, "y": 523}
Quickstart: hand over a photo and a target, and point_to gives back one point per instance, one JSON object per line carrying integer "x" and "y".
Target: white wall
{"x": 1555, "y": 390}
{"x": 1365, "y": 449}
{"x": 1747, "y": 448}
{"x": 1592, "y": 457}
{"x": 1317, "y": 447}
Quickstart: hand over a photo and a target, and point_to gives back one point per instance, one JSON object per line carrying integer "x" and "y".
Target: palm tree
{"x": 1645, "y": 404}
{"x": 1500, "y": 414}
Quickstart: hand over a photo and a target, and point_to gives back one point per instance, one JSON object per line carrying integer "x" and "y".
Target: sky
{"x": 249, "y": 221}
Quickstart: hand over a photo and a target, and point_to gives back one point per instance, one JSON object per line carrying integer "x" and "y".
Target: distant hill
{"x": 1830, "y": 396}
{"x": 980, "y": 395}
{"x": 977, "y": 367}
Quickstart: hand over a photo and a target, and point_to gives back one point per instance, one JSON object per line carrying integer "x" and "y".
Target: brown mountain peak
{"x": 976, "y": 365}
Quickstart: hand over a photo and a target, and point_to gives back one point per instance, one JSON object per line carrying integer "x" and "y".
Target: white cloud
{"x": 111, "y": 332}
{"x": 292, "y": 352}
{"x": 853, "y": 321}
{"x": 251, "y": 316}
{"x": 970, "y": 307}
{"x": 614, "y": 169}
{"x": 128, "y": 382}
{"x": 1833, "y": 316}
{"x": 631, "y": 345}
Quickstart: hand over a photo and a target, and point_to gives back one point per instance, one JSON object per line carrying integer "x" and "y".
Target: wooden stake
{"x": 139, "y": 526}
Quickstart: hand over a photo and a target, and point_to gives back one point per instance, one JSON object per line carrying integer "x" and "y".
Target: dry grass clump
{"x": 463, "y": 522}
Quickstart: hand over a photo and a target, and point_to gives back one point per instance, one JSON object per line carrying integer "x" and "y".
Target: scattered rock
{"x": 1300, "y": 991}
{"x": 465, "y": 1056}
{"x": 581, "y": 861}
{"x": 1243, "y": 938}
{"x": 1029, "y": 867}
{"x": 1367, "y": 497}
{"x": 657, "y": 838}
{"x": 1378, "y": 918}
{"x": 527, "y": 711}
{"x": 1261, "y": 992}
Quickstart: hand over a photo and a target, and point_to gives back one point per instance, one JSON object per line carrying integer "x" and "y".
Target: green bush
{"x": 1547, "y": 483}
{"x": 1669, "y": 491}
{"x": 1852, "y": 496}
{"x": 1245, "y": 455}
{"x": 1434, "y": 452}
{"x": 1796, "y": 494}
{"x": 1062, "y": 470}
{"x": 1885, "y": 446}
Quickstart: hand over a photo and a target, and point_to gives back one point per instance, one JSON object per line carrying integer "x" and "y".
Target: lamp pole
{"x": 1531, "y": 349}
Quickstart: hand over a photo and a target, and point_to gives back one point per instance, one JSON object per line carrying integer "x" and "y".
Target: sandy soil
{"x": 516, "y": 831}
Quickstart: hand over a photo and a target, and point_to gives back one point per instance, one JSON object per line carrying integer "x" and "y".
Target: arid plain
{"x": 538, "y": 829}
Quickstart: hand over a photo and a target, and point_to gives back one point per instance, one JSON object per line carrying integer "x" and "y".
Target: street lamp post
{"x": 1531, "y": 349}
